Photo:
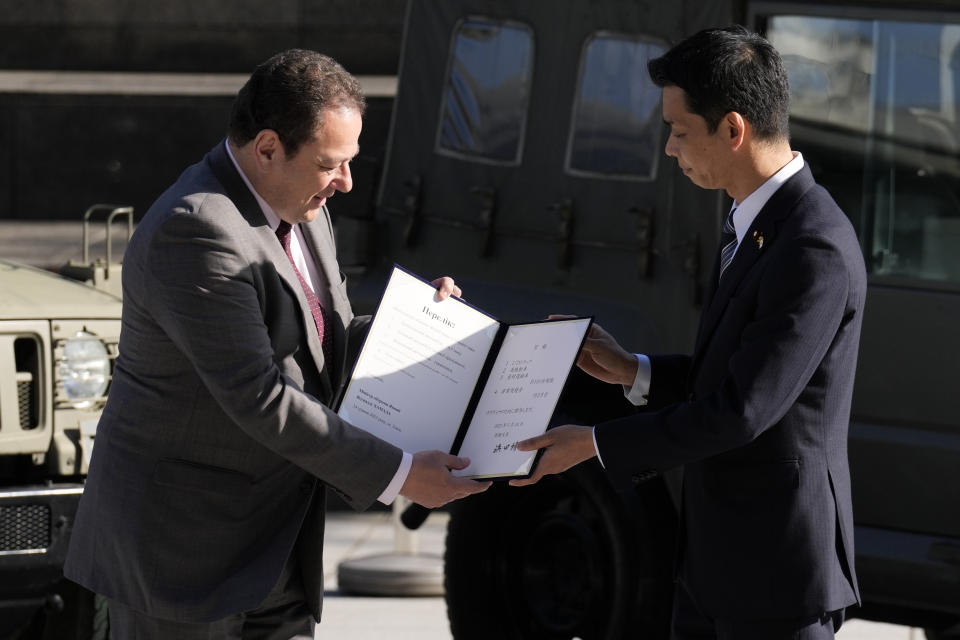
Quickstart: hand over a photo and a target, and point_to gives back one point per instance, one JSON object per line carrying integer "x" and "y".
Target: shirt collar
{"x": 747, "y": 210}
{"x": 272, "y": 218}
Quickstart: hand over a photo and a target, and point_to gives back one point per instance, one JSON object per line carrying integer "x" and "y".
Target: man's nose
{"x": 344, "y": 181}
{"x": 669, "y": 148}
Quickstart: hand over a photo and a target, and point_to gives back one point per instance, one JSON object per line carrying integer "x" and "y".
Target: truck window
{"x": 873, "y": 104}
{"x": 616, "y": 119}
{"x": 487, "y": 90}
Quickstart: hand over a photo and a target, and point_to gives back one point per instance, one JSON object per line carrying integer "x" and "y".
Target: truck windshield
{"x": 874, "y": 101}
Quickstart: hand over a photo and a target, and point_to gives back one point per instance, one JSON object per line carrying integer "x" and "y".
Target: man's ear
{"x": 736, "y": 128}
{"x": 267, "y": 149}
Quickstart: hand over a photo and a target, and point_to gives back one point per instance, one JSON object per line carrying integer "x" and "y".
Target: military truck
{"x": 526, "y": 160}
{"x": 58, "y": 341}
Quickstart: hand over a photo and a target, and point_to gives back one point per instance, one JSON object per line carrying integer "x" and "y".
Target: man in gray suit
{"x": 203, "y": 512}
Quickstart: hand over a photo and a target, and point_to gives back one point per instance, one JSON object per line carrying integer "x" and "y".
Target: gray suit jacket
{"x": 218, "y": 425}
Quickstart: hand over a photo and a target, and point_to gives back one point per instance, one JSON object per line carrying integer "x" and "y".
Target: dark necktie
{"x": 728, "y": 242}
{"x": 316, "y": 309}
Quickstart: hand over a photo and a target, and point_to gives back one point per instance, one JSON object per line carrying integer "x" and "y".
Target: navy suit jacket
{"x": 759, "y": 415}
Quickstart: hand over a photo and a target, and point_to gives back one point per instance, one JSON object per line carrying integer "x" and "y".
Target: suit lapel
{"x": 285, "y": 270}
{"x": 319, "y": 241}
{"x": 247, "y": 205}
{"x": 759, "y": 238}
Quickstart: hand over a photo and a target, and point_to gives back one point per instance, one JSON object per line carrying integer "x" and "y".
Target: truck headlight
{"x": 84, "y": 369}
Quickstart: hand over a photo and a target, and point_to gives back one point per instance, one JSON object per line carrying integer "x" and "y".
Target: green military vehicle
{"x": 526, "y": 160}
{"x": 58, "y": 341}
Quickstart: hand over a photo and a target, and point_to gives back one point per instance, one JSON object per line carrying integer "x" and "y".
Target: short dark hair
{"x": 288, "y": 94}
{"x": 729, "y": 69}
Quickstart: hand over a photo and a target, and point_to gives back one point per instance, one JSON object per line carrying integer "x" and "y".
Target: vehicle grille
{"x": 27, "y": 401}
{"x": 28, "y": 361}
{"x": 24, "y": 527}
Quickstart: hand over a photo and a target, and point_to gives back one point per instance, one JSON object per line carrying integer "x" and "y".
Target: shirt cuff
{"x": 393, "y": 489}
{"x": 593, "y": 432}
{"x": 637, "y": 394}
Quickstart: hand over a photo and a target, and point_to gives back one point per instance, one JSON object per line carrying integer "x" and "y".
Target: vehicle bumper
{"x": 915, "y": 574}
{"x": 35, "y": 525}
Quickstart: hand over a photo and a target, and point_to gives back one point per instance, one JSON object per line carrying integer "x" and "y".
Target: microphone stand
{"x": 404, "y": 571}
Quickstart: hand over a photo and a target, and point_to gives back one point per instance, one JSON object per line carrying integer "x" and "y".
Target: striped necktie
{"x": 316, "y": 309}
{"x": 728, "y": 243}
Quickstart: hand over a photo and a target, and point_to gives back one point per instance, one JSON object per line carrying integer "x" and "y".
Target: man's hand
{"x": 430, "y": 483}
{"x": 446, "y": 287}
{"x": 604, "y": 359}
{"x": 564, "y": 447}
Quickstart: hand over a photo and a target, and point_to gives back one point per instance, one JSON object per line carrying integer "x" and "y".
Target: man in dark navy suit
{"x": 758, "y": 415}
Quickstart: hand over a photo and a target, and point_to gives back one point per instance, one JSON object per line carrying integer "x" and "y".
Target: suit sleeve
{"x": 203, "y": 294}
{"x": 777, "y": 342}
{"x": 668, "y": 380}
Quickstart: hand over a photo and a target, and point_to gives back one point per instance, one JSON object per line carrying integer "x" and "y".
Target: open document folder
{"x": 444, "y": 375}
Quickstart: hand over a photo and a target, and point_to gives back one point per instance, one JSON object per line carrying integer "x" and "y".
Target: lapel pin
{"x": 758, "y": 238}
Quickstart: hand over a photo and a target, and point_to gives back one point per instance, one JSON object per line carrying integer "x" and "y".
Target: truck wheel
{"x": 952, "y": 633}
{"x": 564, "y": 558}
{"x": 100, "y": 622}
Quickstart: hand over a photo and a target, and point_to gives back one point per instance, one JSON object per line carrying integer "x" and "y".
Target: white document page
{"x": 520, "y": 396}
{"x": 418, "y": 367}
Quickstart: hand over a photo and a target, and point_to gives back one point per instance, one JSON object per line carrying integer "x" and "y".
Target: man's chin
{"x": 309, "y": 215}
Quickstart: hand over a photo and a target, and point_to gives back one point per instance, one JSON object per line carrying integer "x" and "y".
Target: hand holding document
{"x": 444, "y": 375}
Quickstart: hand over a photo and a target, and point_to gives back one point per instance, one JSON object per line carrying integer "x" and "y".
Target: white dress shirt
{"x": 307, "y": 266}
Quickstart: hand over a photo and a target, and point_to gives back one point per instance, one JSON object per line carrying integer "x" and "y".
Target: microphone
{"x": 414, "y": 516}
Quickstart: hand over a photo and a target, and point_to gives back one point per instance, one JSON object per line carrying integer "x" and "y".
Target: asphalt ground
{"x": 350, "y": 536}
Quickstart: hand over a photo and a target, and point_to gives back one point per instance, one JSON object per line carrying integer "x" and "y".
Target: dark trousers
{"x": 283, "y": 615}
{"x": 690, "y": 624}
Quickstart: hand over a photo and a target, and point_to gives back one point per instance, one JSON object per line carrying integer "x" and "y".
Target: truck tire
{"x": 951, "y": 633}
{"x": 100, "y": 622}
{"x": 564, "y": 558}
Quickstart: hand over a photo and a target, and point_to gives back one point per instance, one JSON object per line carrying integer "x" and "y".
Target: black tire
{"x": 561, "y": 559}
{"x": 100, "y": 622}
{"x": 952, "y": 633}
